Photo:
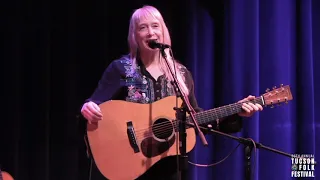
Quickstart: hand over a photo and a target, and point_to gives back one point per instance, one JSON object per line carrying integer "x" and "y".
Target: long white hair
{"x": 152, "y": 12}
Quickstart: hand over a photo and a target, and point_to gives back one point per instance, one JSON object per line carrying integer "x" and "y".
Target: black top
{"x": 121, "y": 82}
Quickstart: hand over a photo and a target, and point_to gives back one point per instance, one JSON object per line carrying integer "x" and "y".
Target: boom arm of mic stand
{"x": 248, "y": 147}
{"x": 250, "y": 143}
{"x": 244, "y": 141}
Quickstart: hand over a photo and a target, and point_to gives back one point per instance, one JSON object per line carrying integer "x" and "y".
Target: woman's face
{"x": 148, "y": 29}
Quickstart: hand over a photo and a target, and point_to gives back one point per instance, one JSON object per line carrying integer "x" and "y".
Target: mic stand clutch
{"x": 181, "y": 118}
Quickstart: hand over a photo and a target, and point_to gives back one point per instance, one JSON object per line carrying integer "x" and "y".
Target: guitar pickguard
{"x": 151, "y": 147}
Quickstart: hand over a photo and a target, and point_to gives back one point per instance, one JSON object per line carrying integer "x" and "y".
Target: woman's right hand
{"x": 91, "y": 111}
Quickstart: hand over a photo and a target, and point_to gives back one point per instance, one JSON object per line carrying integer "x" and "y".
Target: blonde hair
{"x": 147, "y": 12}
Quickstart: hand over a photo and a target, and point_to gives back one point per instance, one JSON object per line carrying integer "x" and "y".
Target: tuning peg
{"x": 271, "y": 104}
{"x": 281, "y": 85}
{"x": 286, "y": 100}
{"x": 279, "y": 104}
{"x": 274, "y": 87}
{"x": 267, "y": 90}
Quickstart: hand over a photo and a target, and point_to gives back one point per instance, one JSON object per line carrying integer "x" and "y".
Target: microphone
{"x": 153, "y": 45}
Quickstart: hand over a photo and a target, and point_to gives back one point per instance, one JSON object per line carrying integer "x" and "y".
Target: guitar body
{"x": 132, "y": 137}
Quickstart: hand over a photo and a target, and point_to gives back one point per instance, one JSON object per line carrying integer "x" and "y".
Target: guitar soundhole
{"x": 162, "y": 128}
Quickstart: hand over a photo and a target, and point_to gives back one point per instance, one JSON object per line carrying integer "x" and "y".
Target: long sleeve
{"x": 230, "y": 124}
{"x": 108, "y": 85}
{"x": 192, "y": 98}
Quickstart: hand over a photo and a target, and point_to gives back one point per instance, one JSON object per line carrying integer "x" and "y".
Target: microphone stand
{"x": 248, "y": 145}
{"x": 181, "y": 117}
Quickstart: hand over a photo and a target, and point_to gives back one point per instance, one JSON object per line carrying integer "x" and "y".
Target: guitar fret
{"x": 224, "y": 110}
{"x": 208, "y": 116}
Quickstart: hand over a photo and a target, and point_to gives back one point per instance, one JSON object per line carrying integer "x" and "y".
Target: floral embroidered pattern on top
{"x": 136, "y": 83}
{"x": 140, "y": 88}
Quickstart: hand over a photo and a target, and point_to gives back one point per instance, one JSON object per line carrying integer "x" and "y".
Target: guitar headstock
{"x": 277, "y": 95}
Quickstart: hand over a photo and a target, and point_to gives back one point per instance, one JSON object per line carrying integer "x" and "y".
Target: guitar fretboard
{"x": 208, "y": 116}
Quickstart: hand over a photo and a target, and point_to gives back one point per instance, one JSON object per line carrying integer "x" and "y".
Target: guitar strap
{"x": 88, "y": 151}
{"x": 89, "y": 155}
{"x": 86, "y": 142}
{"x": 90, "y": 169}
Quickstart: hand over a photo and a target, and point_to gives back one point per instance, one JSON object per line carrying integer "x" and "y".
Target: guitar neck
{"x": 208, "y": 116}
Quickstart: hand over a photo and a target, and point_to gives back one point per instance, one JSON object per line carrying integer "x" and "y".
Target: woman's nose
{"x": 150, "y": 31}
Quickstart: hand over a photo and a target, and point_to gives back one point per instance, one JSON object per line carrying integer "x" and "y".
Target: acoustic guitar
{"x": 132, "y": 137}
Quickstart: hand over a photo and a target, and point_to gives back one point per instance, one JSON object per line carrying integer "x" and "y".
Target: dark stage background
{"x": 54, "y": 53}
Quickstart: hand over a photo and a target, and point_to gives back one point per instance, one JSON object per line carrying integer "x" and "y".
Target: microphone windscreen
{"x": 153, "y": 44}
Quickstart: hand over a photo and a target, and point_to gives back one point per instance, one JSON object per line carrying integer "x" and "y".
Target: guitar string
{"x": 220, "y": 111}
{"x": 205, "y": 115}
{"x": 162, "y": 133}
{"x": 165, "y": 125}
{"x": 165, "y": 128}
{"x": 162, "y": 128}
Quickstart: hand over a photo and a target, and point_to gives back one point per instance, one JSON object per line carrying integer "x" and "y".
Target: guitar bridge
{"x": 132, "y": 137}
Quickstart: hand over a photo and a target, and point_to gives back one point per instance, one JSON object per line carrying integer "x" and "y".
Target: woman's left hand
{"x": 249, "y": 108}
